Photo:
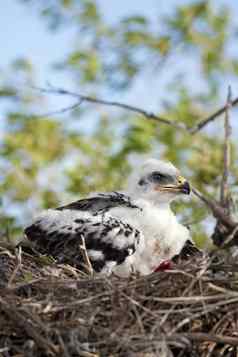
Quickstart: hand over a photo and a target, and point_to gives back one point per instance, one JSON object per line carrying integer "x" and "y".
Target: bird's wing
{"x": 102, "y": 202}
{"x": 109, "y": 241}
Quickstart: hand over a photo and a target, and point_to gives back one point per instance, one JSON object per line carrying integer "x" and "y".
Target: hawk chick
{"x": 135, "y": 231}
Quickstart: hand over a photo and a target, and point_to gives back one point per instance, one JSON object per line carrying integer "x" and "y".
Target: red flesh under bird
{"x": 166, "y": 265}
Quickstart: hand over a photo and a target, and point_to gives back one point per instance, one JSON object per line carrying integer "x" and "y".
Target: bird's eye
{"x": 157, "y": 176}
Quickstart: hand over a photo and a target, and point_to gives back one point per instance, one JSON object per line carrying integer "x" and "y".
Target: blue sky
{"x": 27, "y": 35}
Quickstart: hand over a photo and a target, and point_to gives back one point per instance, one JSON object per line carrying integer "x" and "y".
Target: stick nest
{"x": 47, "y": 309}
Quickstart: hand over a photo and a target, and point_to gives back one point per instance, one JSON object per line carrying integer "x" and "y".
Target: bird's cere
{"x": 135, "y": 231}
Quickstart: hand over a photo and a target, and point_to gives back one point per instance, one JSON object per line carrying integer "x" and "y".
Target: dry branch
{"x": 18, "y": 265}
{"x": 84, "y": 98}
{"x": 225, "y": 232}
{"x": 226, "y": 228}
{"x": 83, "y": 250}
{"x": 212, "y": 117}
{"x": 224, "y": 199}
{"x": 26, "y": 324}
{"x": 216, "y": 209}
{"x": 233, "y": 341}
{"x": 80, "y": 99}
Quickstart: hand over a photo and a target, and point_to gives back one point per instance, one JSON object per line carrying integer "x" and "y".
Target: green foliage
{"x": 29, "y": 145}
{"x": 46, "y": 160}
{"x": 199, "y": 26}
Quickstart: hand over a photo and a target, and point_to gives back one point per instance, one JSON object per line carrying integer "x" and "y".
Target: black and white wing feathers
{"x": 109, "y": 241}
{"x": 100, "y": 203}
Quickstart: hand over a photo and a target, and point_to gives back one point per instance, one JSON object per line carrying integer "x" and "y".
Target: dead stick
{"x": 199, "y": 336}
{"x": 86, "y": 259}
{"x": 217, "y": 210}
{"x": 81, "y": 98}
{"x": 212, "y": 117}
{"x": 25, "y": 323}
{"x": 18, "y": 265}
{"x": 226, "y": 155}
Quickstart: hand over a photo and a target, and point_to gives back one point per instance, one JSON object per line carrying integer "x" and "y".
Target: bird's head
{"x": 158, "y": 181}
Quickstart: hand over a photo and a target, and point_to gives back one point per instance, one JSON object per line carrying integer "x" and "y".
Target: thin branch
{"x": 86, "y": 259}
{"x": 17, "y": 267}
{"x": 221, "y": 210}
{"x": 226, "y": 155}
{"x": 221, "y": 214}
{"x": 84, "y": 98}
{"x": 217, "y": 209}
{"x": 26, "y": 324}
{"x": 212, "y": 117}
{"x": 194, "y": 316}
{"x": 149, "y": 115}
{"x": 200, "y": 336}
{"x": 62, "y": 110}
{"x": 186, "y": 291}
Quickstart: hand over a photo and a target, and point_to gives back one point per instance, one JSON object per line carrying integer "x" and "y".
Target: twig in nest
{"x": 25, "y": 323}
{"x": 68, "y": 269}
{"x": 211, "y": 308}
{"x": 199, "y": 336}
{"x": 87, "y": 263}
{"x": 219, "y": 327}
{"x": 14, "y": 273}
{"x": 185, "y": 292}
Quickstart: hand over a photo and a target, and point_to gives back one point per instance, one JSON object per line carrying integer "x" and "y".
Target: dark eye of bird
{"x": 157, "y": 176}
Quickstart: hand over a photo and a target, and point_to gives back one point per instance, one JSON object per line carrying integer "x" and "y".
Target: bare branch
{"x": 212, "y": 117}
{"x": 146, "y": 114}
{"x": 62, "y": 110}
{"x": 84, "y": 98}
{"x": 217, "y": 210}
{"x": 226, "y": 155}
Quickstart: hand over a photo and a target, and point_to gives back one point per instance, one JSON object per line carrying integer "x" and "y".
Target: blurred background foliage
{"x": 50, "y": 159}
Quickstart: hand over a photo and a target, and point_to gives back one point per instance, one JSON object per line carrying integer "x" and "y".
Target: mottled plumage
{"x": 135, "y": 231}
{"x": 60, "y": 231}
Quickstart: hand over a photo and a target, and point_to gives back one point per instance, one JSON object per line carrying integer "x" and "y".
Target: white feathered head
{"x": 158, "y": 181}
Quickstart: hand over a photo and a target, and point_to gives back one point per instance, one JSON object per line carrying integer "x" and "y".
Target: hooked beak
{"x": 185, "y": 188}
{"x": 182, "y": 186}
